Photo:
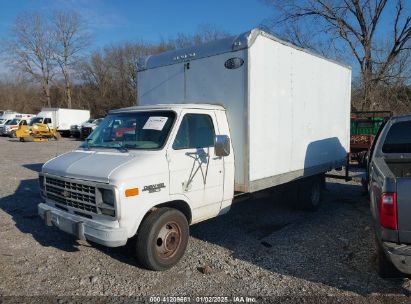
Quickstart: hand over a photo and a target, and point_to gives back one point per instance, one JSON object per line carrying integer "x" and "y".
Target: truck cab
{"x": 174, "y": 168}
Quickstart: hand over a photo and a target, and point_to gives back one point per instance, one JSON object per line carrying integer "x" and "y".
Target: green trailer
{"x": 364, "y": 127}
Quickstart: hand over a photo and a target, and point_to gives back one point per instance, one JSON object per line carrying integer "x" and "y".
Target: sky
{"x": 112, "y": 22}
{"x": 116, "y": 21}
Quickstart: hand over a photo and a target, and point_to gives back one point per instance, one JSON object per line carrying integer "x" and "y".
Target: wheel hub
{"x": 171, "y": 240}
{"x": 168, "y": 240}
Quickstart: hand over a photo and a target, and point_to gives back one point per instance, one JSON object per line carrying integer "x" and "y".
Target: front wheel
{"x": 162, "y": 239}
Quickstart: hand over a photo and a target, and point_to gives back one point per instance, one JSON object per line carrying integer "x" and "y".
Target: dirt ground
{"x": 262, "y": 248}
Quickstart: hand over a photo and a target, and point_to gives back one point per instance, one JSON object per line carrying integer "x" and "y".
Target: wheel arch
{"x": 178, "y": 204}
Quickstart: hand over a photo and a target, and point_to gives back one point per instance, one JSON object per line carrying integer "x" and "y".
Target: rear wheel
{"x": 385, "y": 268}
{"x": 162, "y": 239}
{"x": 309, "y": 193}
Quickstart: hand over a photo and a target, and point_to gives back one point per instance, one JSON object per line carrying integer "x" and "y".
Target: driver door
{"x": 195, "y": 170}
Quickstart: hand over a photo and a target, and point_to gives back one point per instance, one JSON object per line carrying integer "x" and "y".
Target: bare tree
{"x": 109, "y": 77}
{"x": 53, "y": 52}
{"x": 356, "y": 23}
{"x": 71, "y": 40}
{"x": 31, "y": 48}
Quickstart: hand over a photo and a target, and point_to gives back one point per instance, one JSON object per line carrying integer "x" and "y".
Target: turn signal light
{"x": 132, "y": 192}
{"x": 388, "y": 210}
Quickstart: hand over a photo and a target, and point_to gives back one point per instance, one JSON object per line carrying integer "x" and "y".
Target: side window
{"x": 47, "y": 121}
{"x": 196, "y": 131}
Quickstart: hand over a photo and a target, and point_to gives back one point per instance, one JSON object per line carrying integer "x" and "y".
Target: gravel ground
{"x": 262, "y": 247}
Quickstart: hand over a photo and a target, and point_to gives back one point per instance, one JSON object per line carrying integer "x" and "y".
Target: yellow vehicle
{"x": 37, "y": 131}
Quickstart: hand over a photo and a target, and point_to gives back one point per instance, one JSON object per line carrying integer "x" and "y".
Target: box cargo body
{"x": 9, "y": 115}
{"x": 62, "y": 119}
{"x": 288, "y": 109}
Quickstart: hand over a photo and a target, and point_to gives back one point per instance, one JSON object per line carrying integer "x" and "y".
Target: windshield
{"x": 36, "y": 120}
{"x": 398, "y": 139}
{"x": 139, "y": 130}
{"x": 2, "y": 121}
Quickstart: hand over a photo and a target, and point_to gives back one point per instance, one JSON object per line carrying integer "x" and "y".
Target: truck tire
{"x": 385, "y": 268}
{"x": 13, "y": 134}
{"x": 162, "y": 239}
{"x": 64, "y": 133}
{"x": 309, "y": 193}
{"x": 362, "y": 159}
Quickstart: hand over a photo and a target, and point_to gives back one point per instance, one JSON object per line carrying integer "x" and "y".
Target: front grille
{"x": 71, "y": 186}
{"x": 71, "y": 194}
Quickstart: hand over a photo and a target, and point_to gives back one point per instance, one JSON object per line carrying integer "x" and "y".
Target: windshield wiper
{"x": 122, "y": 147}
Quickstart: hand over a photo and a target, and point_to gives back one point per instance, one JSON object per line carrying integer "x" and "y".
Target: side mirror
{"x": 222, "y": 145}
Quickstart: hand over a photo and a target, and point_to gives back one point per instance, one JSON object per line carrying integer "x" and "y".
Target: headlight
{"x": 108, "y": 196}
{"x": 107, "y": 202}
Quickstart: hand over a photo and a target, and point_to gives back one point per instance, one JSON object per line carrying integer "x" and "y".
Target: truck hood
{"x": 88, "y": 165}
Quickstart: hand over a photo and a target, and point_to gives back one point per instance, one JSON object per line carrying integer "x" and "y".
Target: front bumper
{"x": 399, "y": 255}
{"x": 82, "y": 228}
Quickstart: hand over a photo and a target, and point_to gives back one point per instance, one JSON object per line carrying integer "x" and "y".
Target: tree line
{"x": 52, "y": 67}
{"x": 51, "y": 64}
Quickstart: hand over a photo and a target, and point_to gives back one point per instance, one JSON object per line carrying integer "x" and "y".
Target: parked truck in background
{"x": 88, "y": 127}
{"x": 11, "y": 125}
{"x": 51, "y": 123}
{"x": 230, "y": 117}
{"x": 6, "y": 116}
{"x": 61, "y": 119}
{"x": 389, "y": 185}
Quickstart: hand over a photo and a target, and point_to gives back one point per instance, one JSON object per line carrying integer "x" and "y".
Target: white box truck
{"x": 233, "y": 116}
{"x": 6, "y": 116}
{"x": 61, "y": 119}
{"x": 10, "y": 126}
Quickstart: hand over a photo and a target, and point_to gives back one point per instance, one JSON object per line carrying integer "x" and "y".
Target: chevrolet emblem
{"x": 66, "y": 193}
